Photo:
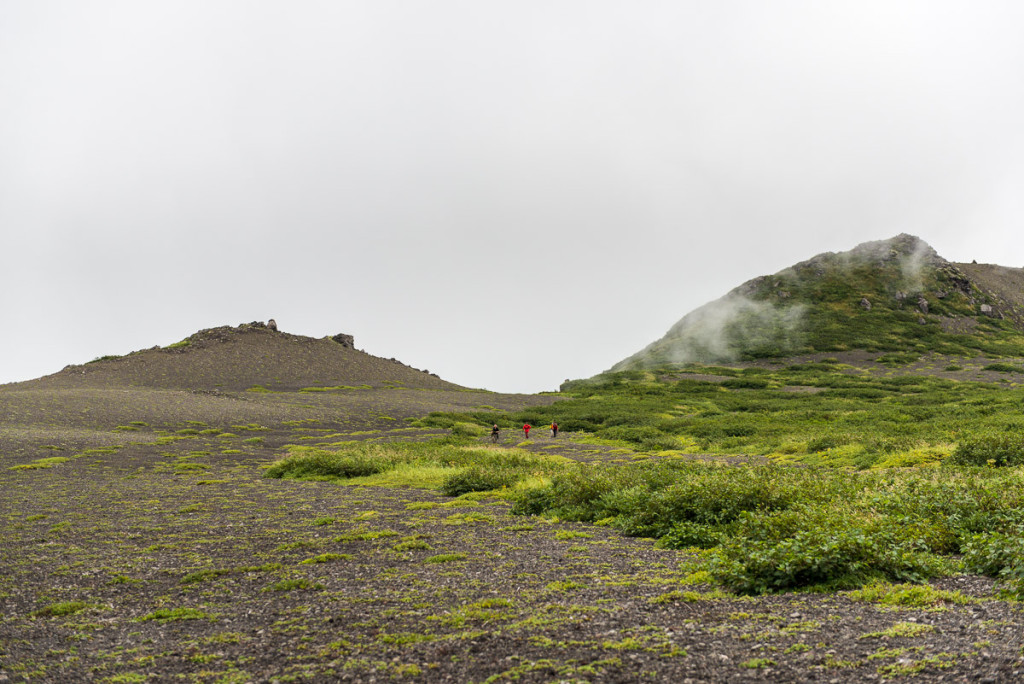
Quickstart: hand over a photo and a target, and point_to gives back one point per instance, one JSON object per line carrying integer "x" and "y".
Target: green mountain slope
{"x": 889, "y": 295}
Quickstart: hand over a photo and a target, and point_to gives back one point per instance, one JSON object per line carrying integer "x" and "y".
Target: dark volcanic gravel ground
{"x": 177, "y": 561}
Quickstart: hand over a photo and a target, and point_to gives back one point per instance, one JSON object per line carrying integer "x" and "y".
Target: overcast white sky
{"x": 505, "y": 193}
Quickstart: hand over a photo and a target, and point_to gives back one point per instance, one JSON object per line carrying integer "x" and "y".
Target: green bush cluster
{"x": 746, "y": 383}
{"x": 772, "y": 528}
{"x": 471, "y": 469}
{"x": 643, "y": 438}
{"x": 478, "y": 479}
{"x": 819, "y": 546}
{"x": 775, "y": 528}
{"x": 659, "y": 499}
{"x": 998, "y": 554}
{"x": 328, "y": 464}
{"x": 852, "y": 419}
{"x": 998, "y": 449}
{"x": 1003, "y": 368}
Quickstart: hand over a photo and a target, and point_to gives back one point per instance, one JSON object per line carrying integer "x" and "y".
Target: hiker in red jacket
{"x": 526, "y": 430}
{"x": 554, "y": 429}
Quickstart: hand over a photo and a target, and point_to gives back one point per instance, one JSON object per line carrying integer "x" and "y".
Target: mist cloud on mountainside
{"x": 913, "y": 264}
{"x": 721, "y": 330}
{"x": 911, "y": 253}
{"x": 737, "y": 325}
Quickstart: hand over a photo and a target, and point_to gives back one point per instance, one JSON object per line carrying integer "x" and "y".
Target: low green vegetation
{"x": 295, "y": 584}
{"x": 175, "y": 614}
{"x": 902, "y": 478}
{"x": 61, "y": 609}
{"x": 914, "y": 596}
{"x": 813, "y": 413}
{"x": 327, "y": 558}
{"x": 757, "y": 663}
{"x": 41, "y": 463}
{"x": 775, "y": 528}
{"x": 901, "y": 629}
{"x": 1003, "y": 368}
{"x": 445, "y": 558}
{"x": 336, "y": 388}
{"x": 1002, "y": 448}
{"x": 213, "y": 573}
{"x": 449, "y": 465}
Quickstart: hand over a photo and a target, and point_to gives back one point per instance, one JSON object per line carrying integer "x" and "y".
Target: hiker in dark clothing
{"x": 495, "y": 433}
{"x": 554, "y": 429}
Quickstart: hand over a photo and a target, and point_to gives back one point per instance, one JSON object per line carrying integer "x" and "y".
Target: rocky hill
{"x": 889, "y": 295}
{"x": 248, "y": 356}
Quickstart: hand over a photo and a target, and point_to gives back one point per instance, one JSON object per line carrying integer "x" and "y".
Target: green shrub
{"x": 686, "y": 533}
{"x": 61, "y": 609}
{"x": 172, "y": 614}
{"x": 998, "y": 554}
{"x": 649, "y": 499}
{"x": 446, "y": 558}
{"x": 778, "y": 528}
{"x": 477, "y": 479}
{"x": 746, "y": 383}
{"x": 468, "y": 430}
{"x": 707, "y": 432}
{"x": 826, "y": 441}
{"x": 663, "y": 443}
{"x": 327, "y": 464}
{"x": 534, "y": 501}
{"x": 356, "y": 460}
{"x": 704, "y": 495}
{"x": 998, "y": 449}
{"x": 300, "y": 583}
{"x": 898, "y": 359}
{"x": 636, "y": 435}
{"x": 1003, "y": 368}
{"x": 440, "y": 420}
{"x": 326, "y": 558}
{"x": 836, "y": 547}
{"x": 908, "y": 595}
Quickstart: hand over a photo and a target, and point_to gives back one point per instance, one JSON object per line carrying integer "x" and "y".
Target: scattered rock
{"x": 922, "y": 304}
{"x": 345, "y": 340}
{"x": 865, "y": 304}
{"x": 272, "y": 324}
